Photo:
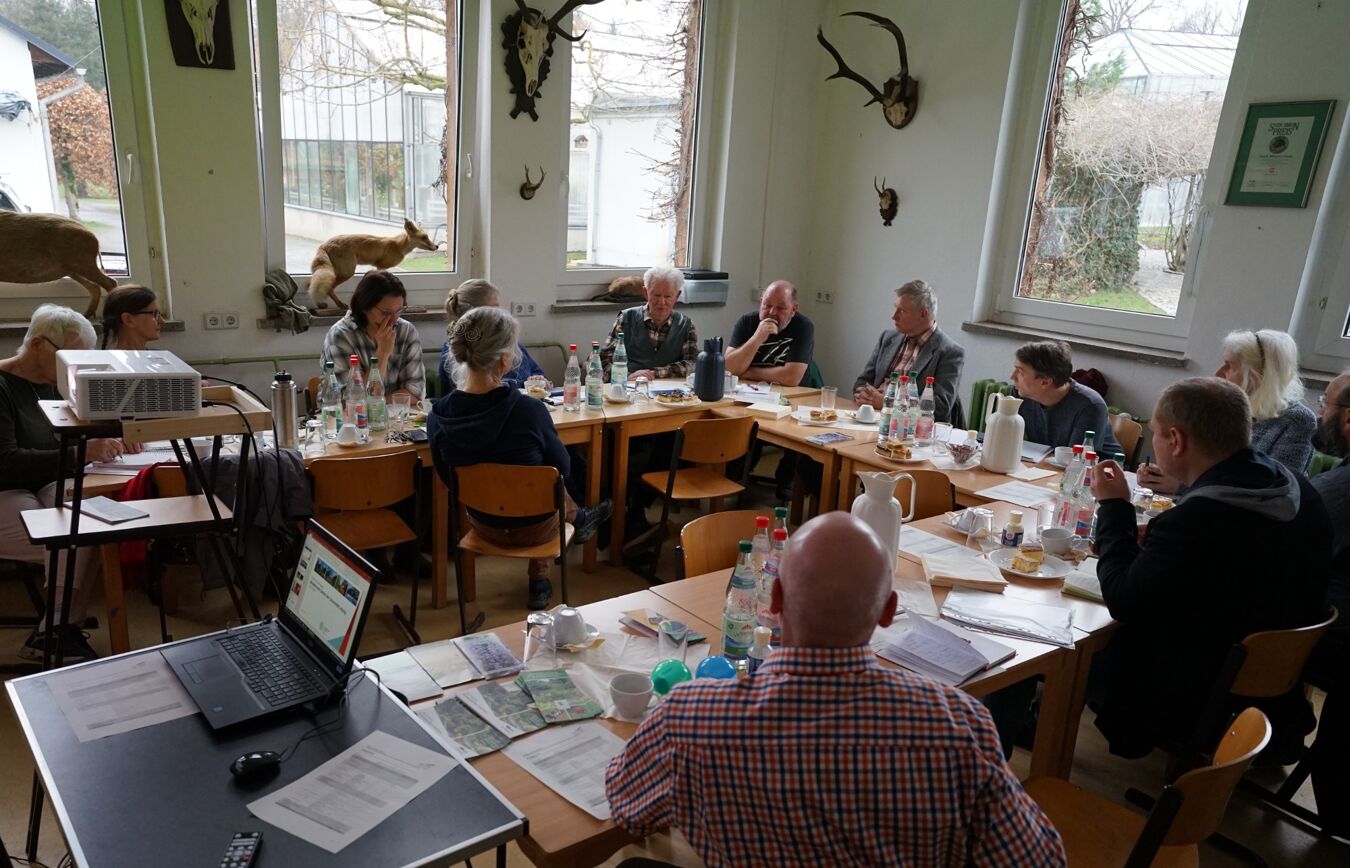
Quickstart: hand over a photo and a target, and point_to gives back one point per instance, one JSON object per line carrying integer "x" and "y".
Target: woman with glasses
{"x": 372, "y": 327}
{"x": 131, "y": 318}
{"x": 1264, "y": 364}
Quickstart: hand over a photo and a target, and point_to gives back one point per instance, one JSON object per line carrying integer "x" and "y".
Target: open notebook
{"x": 943, "y": 651}
{"x": 1083, "y": 582}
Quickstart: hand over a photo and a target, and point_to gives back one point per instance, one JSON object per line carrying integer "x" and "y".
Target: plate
{"x": 1051, "y": 568}
{"x": 1053, "y": 463}
{"x": 852, "y": 416}
{"x": 919, "y": 453}
{"x": 663, "y": 398}
{"x": 803, "y": 416}
{"x": 626, "y": 399}
{"x": 348, "y": 444}
{"x": 591, "y": 634}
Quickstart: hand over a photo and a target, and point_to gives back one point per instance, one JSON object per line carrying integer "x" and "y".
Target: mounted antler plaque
{"x": 899, "y": 96}
{"x": 888, "y": 201}
{"x": 528, "y": 38}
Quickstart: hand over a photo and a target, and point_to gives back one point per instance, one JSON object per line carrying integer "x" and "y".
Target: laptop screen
{"x": 328, "y": 594}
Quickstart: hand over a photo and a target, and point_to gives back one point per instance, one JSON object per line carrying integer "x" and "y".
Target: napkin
{"x": 944, "y": 570}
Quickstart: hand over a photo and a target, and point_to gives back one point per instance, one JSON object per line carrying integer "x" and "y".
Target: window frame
{"x": 425, "y": 288}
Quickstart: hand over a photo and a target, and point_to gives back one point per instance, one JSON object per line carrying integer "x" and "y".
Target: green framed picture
{"x": 1278, "y": 153}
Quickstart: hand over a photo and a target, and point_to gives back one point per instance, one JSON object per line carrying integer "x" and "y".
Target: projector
{"x": 124, "y": 384}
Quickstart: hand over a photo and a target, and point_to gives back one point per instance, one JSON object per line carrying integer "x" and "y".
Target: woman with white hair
{"x": 1264, "y": 364}
{"x": 29, "y": 451}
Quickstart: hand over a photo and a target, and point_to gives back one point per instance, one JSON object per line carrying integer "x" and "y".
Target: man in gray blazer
{"x": 916, "y": 344}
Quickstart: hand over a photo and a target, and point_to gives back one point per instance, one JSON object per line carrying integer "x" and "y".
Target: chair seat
{"x": 694, "y": 483}
{"x": 1098, "y": 832}
{"x": 367, "y": 529}
{"x": 471, "y": 541}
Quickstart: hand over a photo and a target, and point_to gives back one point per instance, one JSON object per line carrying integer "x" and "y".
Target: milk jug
{"x": 1002, "y": 434}
{"x": 879, "y": 510}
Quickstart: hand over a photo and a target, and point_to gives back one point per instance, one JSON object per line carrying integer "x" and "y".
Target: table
{"x": 177, "y": 773}
{"x": 788, "y": 433}
{"x": 862, "y": 457}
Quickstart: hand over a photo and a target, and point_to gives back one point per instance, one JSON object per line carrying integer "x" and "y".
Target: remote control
{"x": 242, "y": 851}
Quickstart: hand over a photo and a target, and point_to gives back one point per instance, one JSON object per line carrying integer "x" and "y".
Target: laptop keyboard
{"x": 270, "y": 667}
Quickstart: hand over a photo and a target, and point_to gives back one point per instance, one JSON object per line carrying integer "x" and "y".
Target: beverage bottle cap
{"x": 779, "y": 534}
{"x": 761, "y": 521}
{"x": 746, "y": 546}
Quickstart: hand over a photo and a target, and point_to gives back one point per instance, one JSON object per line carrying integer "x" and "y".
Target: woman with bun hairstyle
{"x": 469, "y": 295}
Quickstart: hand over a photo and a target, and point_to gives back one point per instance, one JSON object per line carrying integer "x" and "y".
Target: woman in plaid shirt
{"x": 372, "y": 327}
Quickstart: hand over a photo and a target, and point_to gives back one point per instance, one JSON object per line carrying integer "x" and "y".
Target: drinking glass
{"x": 982, "y": 534}
{"x": 399, "y": 409}
{"x": 827, "y": 396}
{"x": 540, "y": 652}
{"x": 315, "y": 443}
{"x": 642, "y": 390}
{"x": 672, "y": 638}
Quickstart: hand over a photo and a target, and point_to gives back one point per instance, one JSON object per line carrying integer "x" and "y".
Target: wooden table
{"x": 790, "y": 434}
{"x": 862, "y": 457}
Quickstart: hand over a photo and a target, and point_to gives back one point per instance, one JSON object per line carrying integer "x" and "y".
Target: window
{"x": 1133, "y": 107}
{"x": 635, "y": 84}
{"x": 366, "y": 129}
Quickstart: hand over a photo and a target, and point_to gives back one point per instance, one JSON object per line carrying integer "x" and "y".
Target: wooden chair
{"x": 1100, "y": 832}
{"x": 934, "y": 493}
{"x": 312, "y": 396}
{"x": 701, "y": 442}
{"x": 355, "y": 495}
{"x": 708, "y": 543}
{"x": 1129, "y": 434}
{"x": 509, "y": 491}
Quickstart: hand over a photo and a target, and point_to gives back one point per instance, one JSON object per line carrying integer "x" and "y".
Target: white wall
{"x": 23, "y": 157}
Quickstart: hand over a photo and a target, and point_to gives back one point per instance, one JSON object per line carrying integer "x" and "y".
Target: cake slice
{"x": 1029, "y": 557}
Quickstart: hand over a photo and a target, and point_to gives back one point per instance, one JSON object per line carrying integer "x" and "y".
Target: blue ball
{"x": 715, "y": 667}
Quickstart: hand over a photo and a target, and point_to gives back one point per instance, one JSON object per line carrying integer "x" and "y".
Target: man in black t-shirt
{"x": 773, "y": 344}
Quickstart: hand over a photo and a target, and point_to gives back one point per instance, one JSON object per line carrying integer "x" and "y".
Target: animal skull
{"x": 201, "y": 17}
{"x": 528, "y": 39}
{"x": 890, "y": 201}
{"x": 532, "y": 40}
{"x": 899, "y": 96}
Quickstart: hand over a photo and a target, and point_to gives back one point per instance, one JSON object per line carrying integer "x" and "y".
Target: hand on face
{"x": 766, "y": 329}
{"x": 384, "y": 338}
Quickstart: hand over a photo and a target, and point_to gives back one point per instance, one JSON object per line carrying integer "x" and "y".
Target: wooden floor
{"x": 502, "y": 589}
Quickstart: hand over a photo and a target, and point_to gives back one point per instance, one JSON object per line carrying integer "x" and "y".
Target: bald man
{"x": 775, "y": 343}
{"x": 823, "y": 757}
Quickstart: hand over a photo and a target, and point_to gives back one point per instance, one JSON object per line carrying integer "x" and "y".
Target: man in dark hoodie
{"x": 1248, "y": 548}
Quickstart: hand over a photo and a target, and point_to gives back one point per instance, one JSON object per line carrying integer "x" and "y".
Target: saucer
{"x": 591, "y": 634}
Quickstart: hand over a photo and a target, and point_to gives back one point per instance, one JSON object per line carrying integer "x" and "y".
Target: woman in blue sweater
{"x": 488, "y": 421}
{"x": 462, "y": 299}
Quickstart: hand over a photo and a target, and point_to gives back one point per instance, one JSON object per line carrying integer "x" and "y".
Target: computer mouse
{"x": 256, "y": 766}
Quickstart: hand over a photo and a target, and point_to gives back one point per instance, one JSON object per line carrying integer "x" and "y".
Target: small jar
{"x": 1012, "y": 531}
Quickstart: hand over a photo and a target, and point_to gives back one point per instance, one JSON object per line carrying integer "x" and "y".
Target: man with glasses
{"x": 372, "y": 327}
{"x": 916, "y": 344}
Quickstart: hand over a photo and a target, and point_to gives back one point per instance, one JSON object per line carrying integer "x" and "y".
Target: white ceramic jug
{"x": 1003, "y": 430}
{"x": 880, "y": 511}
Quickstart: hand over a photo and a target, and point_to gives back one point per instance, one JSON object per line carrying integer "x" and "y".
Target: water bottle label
{"x": 571, "y": 393}
{"x": 736, "y": 637}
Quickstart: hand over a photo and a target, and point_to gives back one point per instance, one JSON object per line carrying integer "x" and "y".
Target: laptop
{"x": 301, "y": 656}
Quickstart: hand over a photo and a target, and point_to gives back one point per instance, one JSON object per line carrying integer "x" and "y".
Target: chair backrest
{"x": 364, "y": 482}
{"x": 934, "y": 493}
{"x": 709, "y": 542}
{"x": 170, "y": 481}
{"x": 1205, "y": 791}
{"x": 312, "y": 395}
{"x": 1275, "y": 659}
{"x": 713, "y": 441}
{"x": 509, "y": 490}
{"x": 1128, "y": 434}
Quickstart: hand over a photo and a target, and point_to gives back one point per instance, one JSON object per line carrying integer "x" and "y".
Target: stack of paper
{"x": 489, "y": 655}
{"x": 556, "y": 697}
{"x": 402, "y": 673}
{"x": 1083, "y": 582}
{"x": 1018, "y": 493}
{"x": 915, "y": 543}
{"x": 962, "y": 570}
{"x": 944, "y": 652}
{"x": 1010, "y": 616}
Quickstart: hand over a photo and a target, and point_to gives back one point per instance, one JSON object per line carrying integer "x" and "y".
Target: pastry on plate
{"x": 899, "y": 449}
{"x": 676, "y": 398}
{"x": 819, "y": 415}
{"x": 1029, "y": 557}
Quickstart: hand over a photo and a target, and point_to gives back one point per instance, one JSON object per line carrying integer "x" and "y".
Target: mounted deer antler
{"x": 899, "y": 96}
{"x": 888, "y": 200}
{"x": 528, "y": 189}
{"x": 528, "y": 38}
{"x": 562, "y": 13}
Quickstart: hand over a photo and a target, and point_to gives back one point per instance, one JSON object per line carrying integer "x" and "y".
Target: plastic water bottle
{"x": 923, "y": 430}
{"x": 1089, "y": 441}
{"x": 899, "y": 411}
{"x": 572, "y": 381}
{"x": 760, "y": 651}
{"x": 330, "y": 401}
{"x": 377, "y": 411}
{"x": 773, "y": 564}
{"x": 759, "y": 551}
{"x": 738, "y": 615}
{"x": 618, "y": 368}
{"x": 914, "y": 388}
{"x": 888, "y": 407}
{"x": 355, "y": 398}
{"x": 595, "y": 379}
{"x": 780, "y": 519}
{"x": 1085, "y": 505}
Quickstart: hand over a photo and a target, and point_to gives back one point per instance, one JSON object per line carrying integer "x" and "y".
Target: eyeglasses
{"x": 158, "y": 315}
{"x": 54, "y": 344}
{"x": 1322, "y": 402}
{"x": 395, "y": 312}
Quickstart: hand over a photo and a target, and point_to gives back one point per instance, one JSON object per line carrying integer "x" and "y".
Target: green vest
{"x": 641, "y": 353}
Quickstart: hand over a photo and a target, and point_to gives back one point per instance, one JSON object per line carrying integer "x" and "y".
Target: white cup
{"x": 1063, "y": 454}
{"x": 569, "y": 628}
{"x": 617, "y": 391}
{"x": 424, "y": 405}
{"x": 867, "y": 413}
{"x": 1057, "y": 540}
{"x": 347, "y": 434}
{"x": 631, "y": 693}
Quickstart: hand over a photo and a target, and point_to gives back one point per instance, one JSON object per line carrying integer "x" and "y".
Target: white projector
{"x": 124, "y": 384}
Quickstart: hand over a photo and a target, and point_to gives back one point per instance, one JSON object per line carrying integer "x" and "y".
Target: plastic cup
{"x": 827, "y": 396}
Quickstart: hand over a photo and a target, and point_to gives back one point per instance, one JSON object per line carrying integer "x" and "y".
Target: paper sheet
{"x": 1011, "y": 616}
{"x": 915, "y": 542}
{"x": 930, "y": 650}
{"x": 571, "y": 760}
{"x": 1083, "y": 582}
{"x": 1019, "y": 493}
{"x": 401, "y": 672}
{"x": 120, "y": 695}
{"x": 556, "y": 697}
{"x": 916, "y": 597}
{"x": 592, "y": 670}
{"x": 505, "y": 707}
{"x": 1031, "y": 474}
{"x": 489, "y": 654}
{"x": 463, "y": 733}
{"x": 444, "y": 662}
{"x": 354, "y": 791}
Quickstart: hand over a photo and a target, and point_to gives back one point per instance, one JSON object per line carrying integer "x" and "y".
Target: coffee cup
{"x": 867, "y": 413}
{"x": 1057, "y": 540}
{"x": 424, "y": 405}
{"x": 569, "y": 628}
{"x": 631, "y": 693}
{"x": 1063, "y": 455}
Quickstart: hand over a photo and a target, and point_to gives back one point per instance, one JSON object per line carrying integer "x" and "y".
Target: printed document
{"x": 571, "y": 760}
{"x": 354, "y": 791}
{"x": 915, "y": 543}
{"x": 444, "y": 662}
{"x": 1019, "y": 493}
{"x": 401, "y": 672}
{"x": 120, "y": 695}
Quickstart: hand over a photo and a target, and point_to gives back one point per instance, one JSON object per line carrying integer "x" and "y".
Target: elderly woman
{"x": 485, "y": 421}
{"x": 131, "y": 318}
{"x": 462, "y": 299}
{"x": 372, "y": 328}
{"x": 1264, "y": 364}
{"x": 29, "y": 451}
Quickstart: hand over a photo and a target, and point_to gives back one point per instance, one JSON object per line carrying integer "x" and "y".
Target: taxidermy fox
{"x": 337, "y": 258}
{"x": 36, "y": 248}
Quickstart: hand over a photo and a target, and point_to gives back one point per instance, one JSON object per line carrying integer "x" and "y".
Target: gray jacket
{"x": 941, "y": 358}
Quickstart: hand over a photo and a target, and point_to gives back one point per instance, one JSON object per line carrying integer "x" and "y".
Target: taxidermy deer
{"x": 36, "y": 248}
{"x": 899, "y": 96}
{"x": 337, "y": 258}
{"x": 528, "y": 38}
{"x": 529, "y": 188}
{"x": 890, "y": 202}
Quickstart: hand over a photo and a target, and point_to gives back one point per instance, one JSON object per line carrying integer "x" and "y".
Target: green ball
{"x": 668, "y": 673}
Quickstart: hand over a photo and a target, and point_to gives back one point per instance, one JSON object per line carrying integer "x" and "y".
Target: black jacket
{"x": 1247, "y": 549}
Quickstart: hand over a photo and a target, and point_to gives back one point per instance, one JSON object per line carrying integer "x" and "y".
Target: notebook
{"x": 944, "y": 651}
{"x": 1083, "y": 582}
{"x": 957, "y": 570}
{"x": 1010, "y": 616}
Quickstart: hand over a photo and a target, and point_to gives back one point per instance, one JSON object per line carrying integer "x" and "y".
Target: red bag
{"x": 1093, "y": 379}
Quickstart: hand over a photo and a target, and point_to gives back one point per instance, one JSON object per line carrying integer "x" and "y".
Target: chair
{"x": 312, "y": 397}
{"x": 934, "y": 493}
{"x": 701, "y": 442}
{"x": 28, "y": 575}
{"x": 360, "y": 492}
{"x": 1129, "y": 434}
{"x": 1101, "y": 832}
{"x": 708, "y": 543}
{"x": 509, "y": 491}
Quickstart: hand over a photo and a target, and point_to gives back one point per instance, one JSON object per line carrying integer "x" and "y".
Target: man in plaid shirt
{"x": 823, "y": 757}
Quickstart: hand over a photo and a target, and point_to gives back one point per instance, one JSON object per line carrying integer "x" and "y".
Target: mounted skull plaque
{"x": 899, "y": 96}
{"x": 528, "y": 38}
{"x": 889, "y": 201}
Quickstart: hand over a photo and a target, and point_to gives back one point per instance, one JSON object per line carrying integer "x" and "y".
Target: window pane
{"x": 361, "y": 81}
{"x": 634, "y": 99}
{"x": 1130, "y": 128}
{"x": 51, "y": 75}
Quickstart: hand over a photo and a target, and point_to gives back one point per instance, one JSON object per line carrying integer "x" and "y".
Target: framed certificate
{"x": 1278, "y": 152}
